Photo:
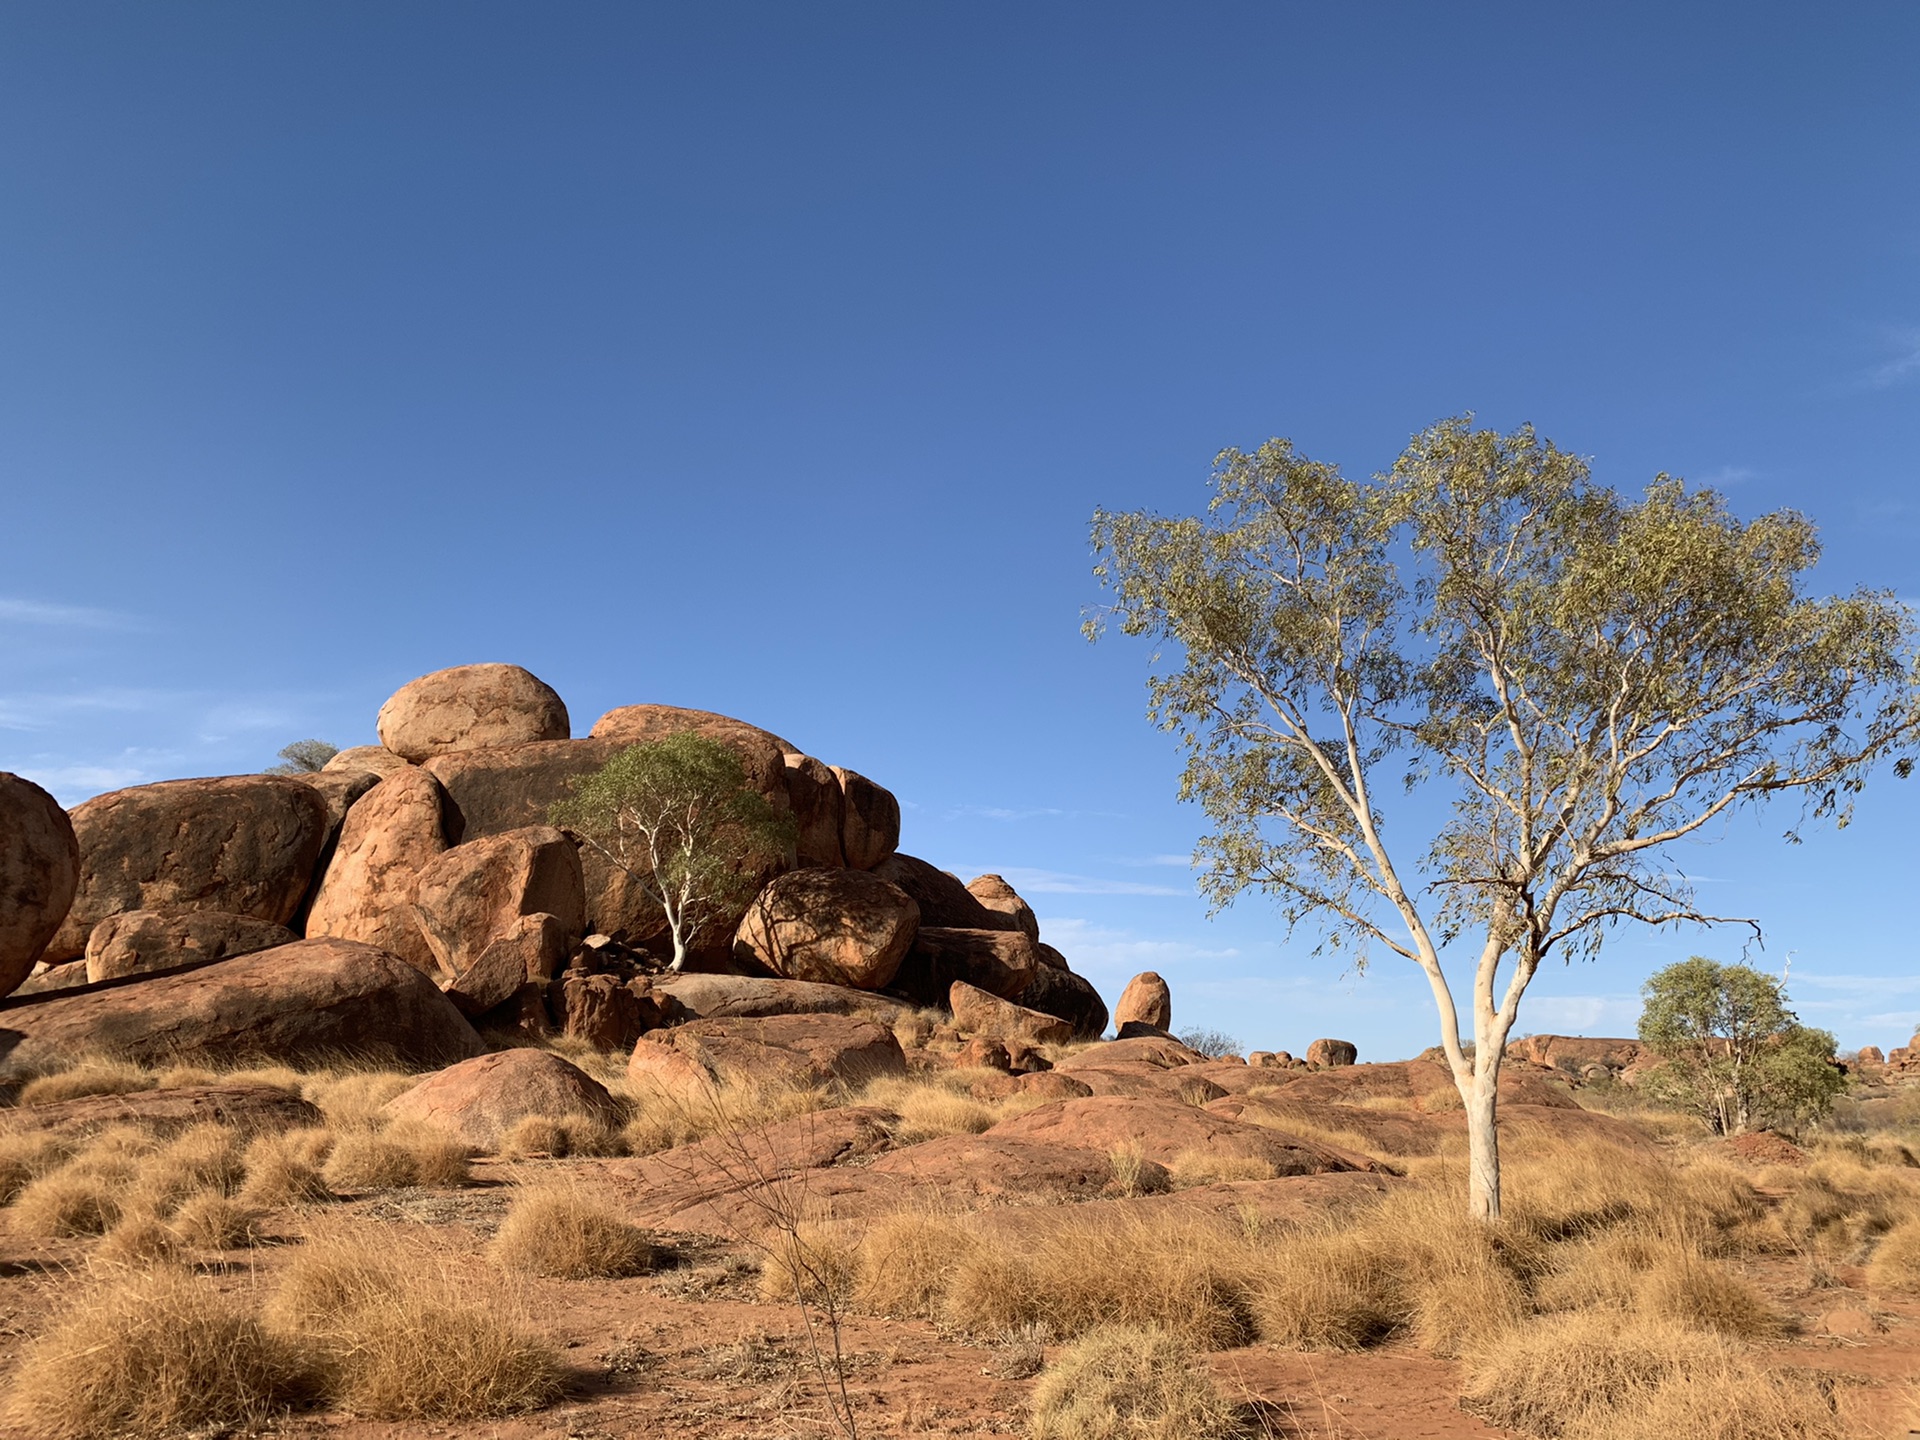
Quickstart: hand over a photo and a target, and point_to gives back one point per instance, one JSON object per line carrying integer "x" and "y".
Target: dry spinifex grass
{"x": 1118, "y": 1382}
{"x": 562, "y": 1232}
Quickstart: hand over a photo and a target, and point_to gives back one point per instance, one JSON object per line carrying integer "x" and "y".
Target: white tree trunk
{"x": 1483, "y": 1138}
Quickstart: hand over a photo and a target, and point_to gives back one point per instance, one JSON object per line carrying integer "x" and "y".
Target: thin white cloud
{"x": 997, "y": 812}
{"x": 1092, "y": 947}
{"x": 1582, "y": 1014}
{"x": 1728, "y": 475}
{"x": 1171, "y": 862}
{"x": 1054, "y": 882}
{"x": 45, "y": 711}
{"x": 44, "y": 612}
{"x": 1904, "y": 364}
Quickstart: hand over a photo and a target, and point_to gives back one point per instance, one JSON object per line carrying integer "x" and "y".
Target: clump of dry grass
{"x": 563, "y": 1233}
{"x": 1896, "y": 1260}
{"x": 399, "y": 1338}
{"x": 1839, "y": 1204}
{"x": 558, "y": 1136}
{"x": 906, "y": 1259}
{"x": 933, "y": 1105}
{"x": 1079, "y": 1272}
{"x": 204, "y": 1159}
{"x": 1547, "y": 1378}
{"x": 1702, "y": 1295}
{"x": 814, "y": 1263}
{"x": 285, "y": 1168}
{"x": 88, "y": 1077}
{"x": 1725, "y": 1402}
{"x": 150, "y": 1352}
{"x": 25, "y": 1156}
{"x": 662, "y": 1117}
{"x": 355, "y": 1100}
{"x": 1327, "y": 1290}
{"x": 68, "y": 1204}
{"x": 1207, "y": 1167}
{"x": 1134, "y": 1174}
{"x": 400, "y": 1155}
{"x": 1124, "y": 1383}
{"x": 211, "y": 1221}
{"x": 137, "y": 1240}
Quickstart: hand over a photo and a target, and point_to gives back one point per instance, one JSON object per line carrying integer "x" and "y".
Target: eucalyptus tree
{"x": 681, "y": 819}
{"x": 1587, "y": 677}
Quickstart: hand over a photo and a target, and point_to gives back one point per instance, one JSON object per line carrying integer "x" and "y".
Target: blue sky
{"x": 771, "y": 358}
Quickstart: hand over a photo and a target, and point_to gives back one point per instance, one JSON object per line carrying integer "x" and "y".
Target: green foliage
{"x": 679, "y": 816}
{"x": 1592, "y": 676}
{"x": 304, "y": 757}
{"x": 1731, "y": 1051}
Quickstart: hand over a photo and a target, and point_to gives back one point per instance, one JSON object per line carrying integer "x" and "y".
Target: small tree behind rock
{"x": 304, "y": 757}
{"x": 1731, "y": 1051}
{"x": 679, "y": 816}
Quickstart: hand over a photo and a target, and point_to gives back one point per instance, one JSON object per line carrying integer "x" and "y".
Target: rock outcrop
{"x": 730, "y": 997}
{"x": 472, "y": 895}
{"x": 943, "y": 900}
{"x": 977, "y": 1013}
{"x": 1001, "y": 962}
{"x": 1145, "y": 1001}
{"x": 762, "y": 753}
{"x": 141, "y": 941}
{"x": 1057, "y": 991}
{"x": 39, "y": 873}
{"x": 819, "y": 811}
{"x": 246, "y": 1108}
{"x": 830, "y": 926}
{"x": 529, "y": 951}
{"x": 800, "y": 1050}
{"x": 997, "y": 895}
{"x": 870, "y": 829}
{"x": 1332, "y": 1054}
{"x": 470, "y": 707}
{"x": 313, "y": 1002}
{"x": 479, "y": 1101}
{"x": 393, "y": 833}
{"x": 371, "y": 759}
{"x": 243, "y": 844}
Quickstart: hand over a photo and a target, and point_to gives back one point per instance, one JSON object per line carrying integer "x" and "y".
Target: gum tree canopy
{"x": 1590, "y": 677}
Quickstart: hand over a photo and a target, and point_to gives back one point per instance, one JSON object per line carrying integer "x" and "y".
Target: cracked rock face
{"x": 834, "y": 927}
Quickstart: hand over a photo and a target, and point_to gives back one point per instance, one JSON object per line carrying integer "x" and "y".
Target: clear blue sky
{"x": 771, "y": 358}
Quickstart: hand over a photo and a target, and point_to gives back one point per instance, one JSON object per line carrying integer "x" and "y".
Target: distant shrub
{"x": 1210, "y": 1043}
{"x": 304, "y": 757}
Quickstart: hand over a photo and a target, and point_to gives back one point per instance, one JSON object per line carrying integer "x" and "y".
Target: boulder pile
{"x": 414, "y": 892}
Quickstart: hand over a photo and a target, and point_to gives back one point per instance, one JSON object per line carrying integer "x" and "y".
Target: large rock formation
{"x": 472, "y": 895}
{"x": 819, "y": 811}
{"x": 834, "y": 927}
{"x": 368, "y": 759}
{"x": 1001, "y": 962}
{"x": 246, "y": 1108}
{"x": 479, "y": 1101}
{"x": 1332, "y": 1054}
{"x": 943, "y": 900}
{"x": 470, "y": 707}
{"x": 39, "y": 872}
{"x": 141, "y": 941}
{"x": 997, "y": 895}
{"x": 1056, "y": 990}
{"x": 977, "y": 1013}
{"x": 244, "y": 844}
{"x": 313, "y": 1002}
{"x": 727, "y": 997}
{"x": 1145, "y": 1001}
{"x": 530, "y": 951}
{"x": 394, "y": 832}
{"x": 870, "y": 827}
{"x": 762, "y": 754}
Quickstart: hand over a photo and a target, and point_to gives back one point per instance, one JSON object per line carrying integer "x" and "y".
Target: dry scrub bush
{"x": 204, "y": 1159}
{"x": 1209, "y": 1167}
{"x": 1701, "y": 1295}
{"x": 905, "y": 1261}
{"x": 1327, "y": 1290}
{"x": 1122, "y": 1383}
{"x": 1727, "y": 1402}
{"x": 557, "y": 1137}
{"x": 1276, "y": 1114}
{"x": 1081, "y": 1272}
{"x": 398, "y": 1338}
{"x": 404, "y": 1154}
{"x": 211, "y": 1221}
{"x": 816, "y": 1264}
{"x": 1547, "y": 1378}
{"x": 149, "y": 1352}
{"x": 1838, "y": 1204}
{"x": 564, "y": 1234}
{"x": 68, "y": 1204}
{"x": 1896, "y": 1260}
{"x": 27, "y": 1155}
{"x": 1134, "y": 1174}
{"x": 284, "y": 1168}
{"x": 662, "y": 1116}
{"x": 88, "y": 1077}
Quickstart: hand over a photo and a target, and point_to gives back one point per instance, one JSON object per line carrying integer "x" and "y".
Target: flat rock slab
{"x": 314, "y": 1002}
{"x": 800, "y": 1050}
{"x": 731, "y": 997}
{"x": 166, "y": 1112}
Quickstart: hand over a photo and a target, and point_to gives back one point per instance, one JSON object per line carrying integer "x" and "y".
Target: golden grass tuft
{"x": 356, "y": 1099}
{"x": 285, "y": 1169}
{"x": 558, "y": 1136}
{"x": 1549, "y": 1377}
{"x": 814, "y": 1263}
{"x": 906, "y": 1260}
{"x": 1201, "y": 1166}
{"x": 211, "y": 1221}
{"x": 68, "y": 1204}
{"x": 401, "y": 1155}
{"x": 137, "y": 1240}
{"x": 1134, "y": 1174}
{"x": 26, "y": 1155}
{"x": 149, "y": 1352}
{"x": 662, "y": 1117}
{"x": 1725, "y": 1402}
{"x": 204, "y": 1159}
{"x": 933, "y": 1105}
{"x": 1896, "y": 1260}
{"x": 89, "y": 1077}
{"x": 400, "y": 1338}
{"x": 563, "y": 1233}
{"x": 1123, "y": 1383}
{"x": 1327, "y": 1290}
{"x": 1702, "y": 1295}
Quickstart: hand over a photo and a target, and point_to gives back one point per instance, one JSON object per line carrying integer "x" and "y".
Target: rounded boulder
{"x": 142, "y": 941}
{"x": 1145, "y": 1001}
{"x": 39, "y": 873}
{"x": 479, "y": 1101}
{"x": 396, "y": 830}
{"x": 830, "y": 926}
{"x": 471, "y": 707}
